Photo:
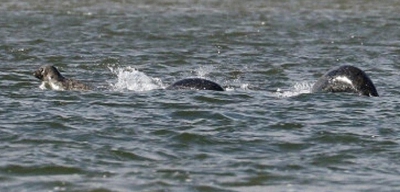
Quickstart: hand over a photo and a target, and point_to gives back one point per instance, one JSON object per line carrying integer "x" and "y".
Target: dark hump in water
{"x": 346, "y": 79}
{"x": 195, "y": 84}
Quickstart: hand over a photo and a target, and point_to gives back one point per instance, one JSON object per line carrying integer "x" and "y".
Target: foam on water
{"x": 129, "y": 78}
{"x": 297, "y": 89}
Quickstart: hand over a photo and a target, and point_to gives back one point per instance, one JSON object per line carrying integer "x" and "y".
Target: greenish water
{"x": 266, "y": 133}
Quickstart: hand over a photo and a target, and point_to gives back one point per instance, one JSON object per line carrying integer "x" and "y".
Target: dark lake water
{"x": 267, "y": 132}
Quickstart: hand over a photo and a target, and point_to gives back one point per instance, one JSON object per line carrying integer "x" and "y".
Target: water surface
{"x": 267, "y": 132}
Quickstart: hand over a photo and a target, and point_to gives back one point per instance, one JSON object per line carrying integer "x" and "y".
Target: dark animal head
{"x": 47, "y": 73}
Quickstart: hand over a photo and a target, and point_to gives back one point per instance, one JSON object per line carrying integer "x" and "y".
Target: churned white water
{"x": 129, "y": 78}
{"x": 297, "y": 89}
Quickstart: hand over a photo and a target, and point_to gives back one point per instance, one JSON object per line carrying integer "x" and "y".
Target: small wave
{"x": 237, "y": 86}
{"x": 129, "y": 78}
{"x": 297, "y": 89}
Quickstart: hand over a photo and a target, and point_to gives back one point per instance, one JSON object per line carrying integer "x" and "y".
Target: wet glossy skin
{"x": 51, "y": 78}
{"x": 195, "y": 84}
{"x": 346, "y": 79}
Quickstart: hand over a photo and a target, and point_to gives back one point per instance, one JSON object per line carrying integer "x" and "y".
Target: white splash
{"x": 244, "y": 86}
{"x": 296, "y": 89}
{"x": 204, "y": 71}
{"x": 43, "y": 85}
{"x": 129, "y": 78}
{"x": 50, "y": 85}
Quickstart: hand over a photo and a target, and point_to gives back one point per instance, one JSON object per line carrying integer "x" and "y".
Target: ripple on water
{"x": 268, "y": 132}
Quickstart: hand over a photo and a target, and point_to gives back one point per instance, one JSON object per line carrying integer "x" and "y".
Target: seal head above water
{"x": 51, "y": 78}
{"x": 195, "y": 84}
{"x": 346, "y": 79}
